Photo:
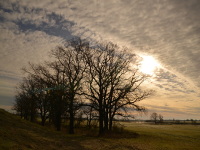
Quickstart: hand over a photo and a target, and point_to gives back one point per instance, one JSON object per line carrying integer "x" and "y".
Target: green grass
{"x": 16, "y": 133}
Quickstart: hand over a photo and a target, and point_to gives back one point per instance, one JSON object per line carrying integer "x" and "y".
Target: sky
{"x": 166, "y": 30}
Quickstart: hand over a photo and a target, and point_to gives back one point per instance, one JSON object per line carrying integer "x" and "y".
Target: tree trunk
{"x": 43, "y": 120}
{"x": 101, "y": 131}
{"x": 110, "y": 119}
{"x": 71, "y": 117}
{"x": 58, "y": 120}
{"x": 71, "y": 123}
{"x": 58, "y": 114}
{"x": 110, "y": 123}
{"x": 106, "y": 120}
{"x": 21, "y": 114}
{"x": 111, "y": 116}
{"x": 90, "y": 118}
{"x": 32, "y": 116}
{"x": 101, "y": 119}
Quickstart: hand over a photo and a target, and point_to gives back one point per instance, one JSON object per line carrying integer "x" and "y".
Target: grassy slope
{"x": 16, "y": 133}
{"x": 20, "y": 134}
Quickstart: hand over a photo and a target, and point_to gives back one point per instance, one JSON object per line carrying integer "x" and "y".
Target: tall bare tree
{"x": 73, "y": 67}
{"x": 112, "y": 86}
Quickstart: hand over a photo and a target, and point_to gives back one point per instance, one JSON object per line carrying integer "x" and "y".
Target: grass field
{"x": 20, "y": 134}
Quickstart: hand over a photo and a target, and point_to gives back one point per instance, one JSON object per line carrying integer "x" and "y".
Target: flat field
{"x": 16, "y": 133}
{"x": 161, "y": 137}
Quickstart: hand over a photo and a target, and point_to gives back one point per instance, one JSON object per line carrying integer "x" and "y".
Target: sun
{"x": 148, "y": 65}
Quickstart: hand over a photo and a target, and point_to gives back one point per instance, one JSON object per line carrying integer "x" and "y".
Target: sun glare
{"x": 148, "y": 65}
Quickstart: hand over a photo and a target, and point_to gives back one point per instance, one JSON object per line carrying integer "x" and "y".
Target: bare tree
{"x": 160, "y": 117}
{"x": 65, "y": 71}
{"x": 43, "y": 104}
{"x": 73, "y": 67}
{"x": 20, "y": 105}
{"x": 112, "y": 85}
{"x": 49, "y": 76}
{"x": 103, "y": 73}
{"x": 154, "y": 117}
{"x": 90, "y": 114}
{"x": 25, "y": 102}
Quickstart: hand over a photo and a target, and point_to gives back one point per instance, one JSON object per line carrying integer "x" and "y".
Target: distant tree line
{"x": 98, "y": 81}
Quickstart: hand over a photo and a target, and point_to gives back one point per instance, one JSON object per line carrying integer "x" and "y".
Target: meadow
{"x": 16, "y": 133}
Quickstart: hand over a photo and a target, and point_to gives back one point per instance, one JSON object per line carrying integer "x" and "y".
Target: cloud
{"x": 7, "y": 107}
{"x": 7, "y": 100}
{"x": 8, "y": 82}
{"x": 168, "y": 30}
{"x": 173, "y": 112}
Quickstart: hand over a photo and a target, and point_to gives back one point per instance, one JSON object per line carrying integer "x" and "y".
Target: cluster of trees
{"x": 156, "y": 118}
{"x": 96, "y": 79}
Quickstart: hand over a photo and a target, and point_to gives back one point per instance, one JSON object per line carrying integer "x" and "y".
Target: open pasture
{"x": 16, "y": 133}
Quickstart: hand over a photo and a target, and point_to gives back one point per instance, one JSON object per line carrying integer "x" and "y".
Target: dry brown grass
{"x": 16, "y": 133}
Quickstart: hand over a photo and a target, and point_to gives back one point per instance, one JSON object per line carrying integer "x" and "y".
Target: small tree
{"x": 90, "y": 114}
{"x": 160, "y": 117}
{"x": 20, "y": 105}
{"x": 25, "y": 102}
{"x": 154, "y": 117}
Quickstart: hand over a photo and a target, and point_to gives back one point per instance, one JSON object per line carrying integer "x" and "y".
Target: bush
{"x": 118, "y": 128}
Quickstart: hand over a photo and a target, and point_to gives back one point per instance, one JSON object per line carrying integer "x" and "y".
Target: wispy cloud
{"x": 168, "y": 30}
